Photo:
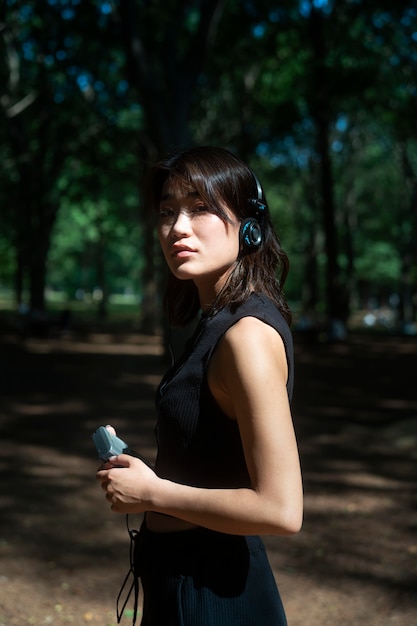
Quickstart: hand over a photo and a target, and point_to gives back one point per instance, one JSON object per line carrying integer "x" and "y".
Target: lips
{"x": 180, "y": 251}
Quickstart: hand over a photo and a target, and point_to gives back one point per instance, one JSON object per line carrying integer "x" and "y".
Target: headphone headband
{"x": 259, "y": 191}
{"x": 258, "y": 203}
{"x": 251, "y": 229}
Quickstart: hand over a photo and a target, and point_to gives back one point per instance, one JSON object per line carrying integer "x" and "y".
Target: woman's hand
{"x": 128, "y": 483}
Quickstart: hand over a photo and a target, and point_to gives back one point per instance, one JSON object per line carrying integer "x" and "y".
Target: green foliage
{"x": 91, "y": 233}
{"x": 90, "y": 91}
{"x": 382, "y": 261}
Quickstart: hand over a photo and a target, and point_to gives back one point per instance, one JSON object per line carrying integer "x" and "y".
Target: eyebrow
{"x": 169, "y": 196}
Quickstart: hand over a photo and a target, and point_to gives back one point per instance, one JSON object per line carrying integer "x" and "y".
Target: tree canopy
{"x": 319, "y": 96}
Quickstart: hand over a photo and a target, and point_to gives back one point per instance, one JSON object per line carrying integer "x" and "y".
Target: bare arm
{"x": 248, "y": 379}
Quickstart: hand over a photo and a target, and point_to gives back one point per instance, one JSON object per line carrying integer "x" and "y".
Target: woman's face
{"x": 197, "y": 244}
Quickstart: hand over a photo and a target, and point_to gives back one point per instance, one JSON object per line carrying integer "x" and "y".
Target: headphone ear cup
{"x": 250, "y": 234}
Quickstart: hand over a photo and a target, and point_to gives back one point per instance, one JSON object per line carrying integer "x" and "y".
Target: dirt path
{"x": 63, "y": 554}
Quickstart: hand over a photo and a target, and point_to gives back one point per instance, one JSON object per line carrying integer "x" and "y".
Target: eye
{"x": 165, "y": 213}
{"x": 200, "y": 208}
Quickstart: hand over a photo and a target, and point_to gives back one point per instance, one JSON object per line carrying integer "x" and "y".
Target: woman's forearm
{"x": 236, "y": 511}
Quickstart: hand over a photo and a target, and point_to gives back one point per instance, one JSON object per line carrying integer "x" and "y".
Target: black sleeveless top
{"x": 198, "y": 444}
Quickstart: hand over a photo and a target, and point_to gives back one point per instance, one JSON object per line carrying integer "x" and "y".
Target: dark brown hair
{"x": 220, "y": 178}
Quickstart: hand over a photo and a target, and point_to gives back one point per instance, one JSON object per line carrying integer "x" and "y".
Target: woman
{"x": 227, "y": 467}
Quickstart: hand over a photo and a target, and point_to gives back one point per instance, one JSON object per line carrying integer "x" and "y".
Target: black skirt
{"x": 205, "y": 578}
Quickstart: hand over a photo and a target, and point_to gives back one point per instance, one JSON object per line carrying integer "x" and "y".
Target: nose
{"x": 181, "y": 225}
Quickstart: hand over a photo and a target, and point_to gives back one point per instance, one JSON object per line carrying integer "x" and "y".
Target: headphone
{"x": 251, "y": 228}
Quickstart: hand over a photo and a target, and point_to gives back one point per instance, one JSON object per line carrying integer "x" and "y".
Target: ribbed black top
{"x": 197, "y": 443}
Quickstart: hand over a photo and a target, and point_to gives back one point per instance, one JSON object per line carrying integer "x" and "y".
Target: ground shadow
{"x": 355, "y": 409}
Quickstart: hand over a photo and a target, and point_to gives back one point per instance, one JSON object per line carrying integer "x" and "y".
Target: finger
{"x": 122, "y": 460}
{"x": 102, "y": 475}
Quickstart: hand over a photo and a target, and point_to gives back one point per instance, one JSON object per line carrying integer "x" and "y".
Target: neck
{"x": 207, "y": 296}
{"x": 209, "y": 290}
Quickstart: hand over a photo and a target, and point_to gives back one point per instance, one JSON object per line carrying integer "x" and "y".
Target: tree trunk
{"x": 336, "y": 299}
{"x": 39, "y": 230}
{"x": 164, "y": 75}
{"x": 408, "y": 291}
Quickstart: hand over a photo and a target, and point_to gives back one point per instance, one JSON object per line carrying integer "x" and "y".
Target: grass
{"x": 120, "y": 312}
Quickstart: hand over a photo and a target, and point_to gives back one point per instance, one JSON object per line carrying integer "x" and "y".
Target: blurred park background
{"x": 320, "y": 98}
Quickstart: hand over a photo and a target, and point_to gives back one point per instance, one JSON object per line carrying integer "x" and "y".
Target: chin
{"x": 183, "y": 274}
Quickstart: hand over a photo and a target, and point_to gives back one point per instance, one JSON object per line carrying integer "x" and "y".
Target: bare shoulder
{"x": 254, "y": 330}
{"x": 251, "y": 334}
{"x": 250, "y": 348}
